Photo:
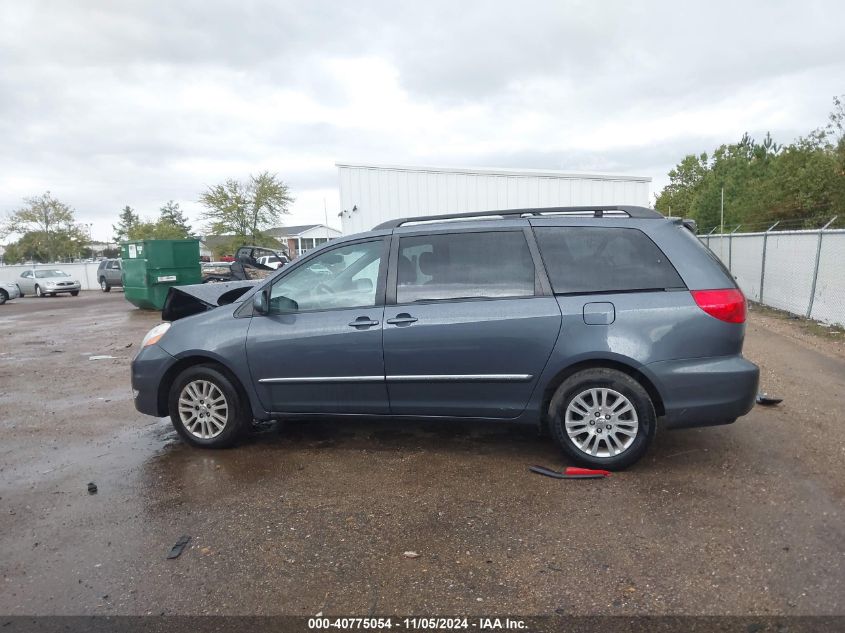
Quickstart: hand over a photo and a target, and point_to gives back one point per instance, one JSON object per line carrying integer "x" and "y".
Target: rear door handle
{"x": 363, "y": 322}
{"x": 403, "y": 318}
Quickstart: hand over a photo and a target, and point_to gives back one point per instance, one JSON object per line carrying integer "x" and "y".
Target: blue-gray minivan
{"x": 591, "y": 323}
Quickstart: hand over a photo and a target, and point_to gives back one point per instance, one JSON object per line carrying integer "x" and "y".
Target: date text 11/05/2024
{"x": 423, "y": 623}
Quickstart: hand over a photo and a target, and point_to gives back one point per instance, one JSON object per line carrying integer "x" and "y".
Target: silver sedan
{"x": 47, "y": 281}
{"x": 8, "y": 291}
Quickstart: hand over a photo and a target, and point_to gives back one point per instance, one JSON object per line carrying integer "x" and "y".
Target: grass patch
{"x": 816, "y": 328}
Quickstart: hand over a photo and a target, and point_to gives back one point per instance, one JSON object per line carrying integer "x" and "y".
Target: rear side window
{"x": 492, "y": 264}
{"x": 604, "y": 259}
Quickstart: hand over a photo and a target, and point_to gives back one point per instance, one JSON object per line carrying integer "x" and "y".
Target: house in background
{"x": 296, "y": 240}
{"x": 301, "y": 239}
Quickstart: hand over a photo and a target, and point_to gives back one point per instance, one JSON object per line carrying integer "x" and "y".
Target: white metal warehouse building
{"x": 371, "y": 194}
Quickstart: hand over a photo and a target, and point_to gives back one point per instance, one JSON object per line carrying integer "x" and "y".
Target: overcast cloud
{"x": 115, "y": 103}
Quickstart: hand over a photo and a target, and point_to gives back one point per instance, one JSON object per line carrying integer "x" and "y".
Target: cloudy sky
{"x": 113, "y": 103}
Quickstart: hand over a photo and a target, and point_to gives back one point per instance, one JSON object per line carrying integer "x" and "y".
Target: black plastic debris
{"x": 177, "y": 549}
{"x": 767, "y": 400}
{"x": 92, "y": 488}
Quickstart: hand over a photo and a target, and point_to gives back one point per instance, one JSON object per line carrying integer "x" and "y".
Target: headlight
{"x": 154, "y": 335}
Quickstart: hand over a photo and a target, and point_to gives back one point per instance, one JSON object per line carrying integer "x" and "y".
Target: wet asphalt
{"x": 316, "y": 517}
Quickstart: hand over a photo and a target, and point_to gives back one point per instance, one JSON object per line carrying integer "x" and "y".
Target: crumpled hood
{"x": 183, "y": 301}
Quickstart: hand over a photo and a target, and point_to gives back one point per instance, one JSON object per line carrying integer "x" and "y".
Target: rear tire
{"x": 20, "y": 292}
{"x": 602, "y": 418}
{"x": 104, "y": 285}
{"x": 206, "y": 408}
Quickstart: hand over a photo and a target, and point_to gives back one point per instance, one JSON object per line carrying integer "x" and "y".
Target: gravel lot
{"x": 743, "y": 519}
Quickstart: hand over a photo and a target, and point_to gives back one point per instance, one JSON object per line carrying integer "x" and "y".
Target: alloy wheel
{"x": 203, "y": 409}
{"x": 601, "y": 422}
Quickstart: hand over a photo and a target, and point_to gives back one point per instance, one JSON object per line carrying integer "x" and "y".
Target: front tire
{"x": 38, "y": 292}
{"x": 602, "y": 418}
{"x": 3, "y": 297}
{"x": 206, "y": 409}
{"x": 74, "y": 293}
{"x": 104, "y": 285}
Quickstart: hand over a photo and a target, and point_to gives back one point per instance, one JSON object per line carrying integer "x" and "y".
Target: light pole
{"x": 722, "y": 227}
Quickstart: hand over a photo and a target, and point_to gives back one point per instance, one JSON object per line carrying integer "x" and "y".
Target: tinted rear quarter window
{"x": 604, "y": 259}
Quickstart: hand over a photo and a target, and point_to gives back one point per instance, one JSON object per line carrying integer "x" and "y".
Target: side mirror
{"x": 285, "y": 305}
{"x": 260, "y": 303}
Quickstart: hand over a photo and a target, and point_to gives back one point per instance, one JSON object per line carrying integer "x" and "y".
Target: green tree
{"x": 44, "y": 215}
{"x": 172, "y": 220}
{"x": 35, "y": 246}
{"x": 803, "y": 182}
{"x": 245, "y": 209}
{"x": 126, "y": 222}
{"x": 677, "y": 197}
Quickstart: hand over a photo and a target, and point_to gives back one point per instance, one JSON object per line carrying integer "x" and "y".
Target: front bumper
{"x": 13, "y": 291}
{"x": 705, "y": 391}
{"x": 148, "y": 369}
{"x": 56, "y": 289}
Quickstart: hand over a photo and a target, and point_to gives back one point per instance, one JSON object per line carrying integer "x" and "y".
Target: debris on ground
{"x": 92, "y": 488}
{"x": 570, "y": 472}
{"x": 767, "y": 400}
{"x": 410, "y": 554}
{"x": 101, "y": 357}
{"x": 179, "y": 547}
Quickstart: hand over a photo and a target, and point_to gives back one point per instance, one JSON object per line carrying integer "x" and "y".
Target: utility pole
{"x": 326, "y": 218}
{"x": 722, "y": 226}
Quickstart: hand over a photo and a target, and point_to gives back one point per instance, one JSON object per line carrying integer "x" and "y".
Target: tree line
{"x": 799, "y": 185}
{"x": 239, "y": 210}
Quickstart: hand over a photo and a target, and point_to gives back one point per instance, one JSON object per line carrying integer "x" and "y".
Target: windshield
{"x": 42, "y": 274}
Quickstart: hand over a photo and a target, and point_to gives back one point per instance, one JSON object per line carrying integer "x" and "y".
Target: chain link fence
{"x": 802, "y": 272}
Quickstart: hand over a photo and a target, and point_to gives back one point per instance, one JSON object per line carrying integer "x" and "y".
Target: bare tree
{"x": 42, "y": 214}
{"x": 245, "y": 209}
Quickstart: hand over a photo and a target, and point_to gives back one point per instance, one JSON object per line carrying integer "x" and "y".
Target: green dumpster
{"x": 150, "y": 267}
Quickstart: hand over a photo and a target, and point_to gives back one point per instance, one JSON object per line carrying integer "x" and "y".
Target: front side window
{"x": 488, "y": 265}
{"x": 344, "y": 277}
{"x": 581, "y": 259}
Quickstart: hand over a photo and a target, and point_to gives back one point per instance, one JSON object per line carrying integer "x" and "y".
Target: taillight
{"x": 726, "y": 305}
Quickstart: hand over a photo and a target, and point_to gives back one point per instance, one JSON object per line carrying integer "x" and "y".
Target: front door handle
{"x": 363, "y": 322}
{"x": 403, "y": 318}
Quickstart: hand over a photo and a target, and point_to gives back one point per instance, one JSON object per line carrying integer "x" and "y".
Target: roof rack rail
{"x": 590, "y": 211}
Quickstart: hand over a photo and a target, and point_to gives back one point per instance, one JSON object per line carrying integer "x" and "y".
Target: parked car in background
{"x": 47, "y": 282}
{"x": 589, "y": 322}
{"x": 110, "y": 273}
{"x": 273, "y": 261}
{"x": 8, "y": 291}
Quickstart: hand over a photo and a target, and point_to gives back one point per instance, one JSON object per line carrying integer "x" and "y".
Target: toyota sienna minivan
{"x": 592, "y": 323}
